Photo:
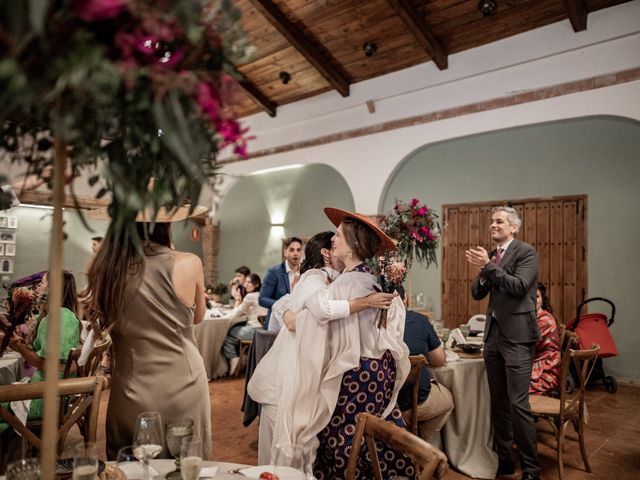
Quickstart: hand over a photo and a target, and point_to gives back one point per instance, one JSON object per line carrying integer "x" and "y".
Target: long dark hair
{"x": 312, "y": 251}
{"x": 69, "y": 293}
{"x": 117, "y": 268}
{"x": 255, "y": 279}
{"x": 546, "y": 304}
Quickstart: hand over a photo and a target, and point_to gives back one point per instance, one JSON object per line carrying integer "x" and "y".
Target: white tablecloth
{"x": 10, "y": 368}
{"x": 210, "y": 334}
{"x": 467, "y": 436}
{"x": 165, "y": 466}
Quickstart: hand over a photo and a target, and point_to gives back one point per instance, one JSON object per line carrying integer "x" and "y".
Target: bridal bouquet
{"x": 416, "y": 229}
{"x": 391, "y": 272}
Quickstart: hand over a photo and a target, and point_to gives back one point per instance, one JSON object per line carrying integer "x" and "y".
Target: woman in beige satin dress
{"x": 150, "y": 306}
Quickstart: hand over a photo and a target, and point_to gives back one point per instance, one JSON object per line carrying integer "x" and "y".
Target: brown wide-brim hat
{"x": 163, "y": 215}
{"x": 337, "y": 215}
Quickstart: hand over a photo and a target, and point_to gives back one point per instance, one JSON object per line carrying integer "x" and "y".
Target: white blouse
{"x": 249, "y": 308}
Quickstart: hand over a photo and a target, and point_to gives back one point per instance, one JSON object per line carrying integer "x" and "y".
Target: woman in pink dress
{"x": 546, "y": 361}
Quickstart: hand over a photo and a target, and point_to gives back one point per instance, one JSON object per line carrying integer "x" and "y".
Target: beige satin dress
{"x": 157, "y": 363}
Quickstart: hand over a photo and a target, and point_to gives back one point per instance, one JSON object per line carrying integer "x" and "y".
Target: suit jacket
{"x": 274, "y": 285}
{"x": 512, "y": 288}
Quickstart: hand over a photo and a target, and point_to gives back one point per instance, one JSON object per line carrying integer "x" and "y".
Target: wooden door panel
{"x": 555, "y": 227}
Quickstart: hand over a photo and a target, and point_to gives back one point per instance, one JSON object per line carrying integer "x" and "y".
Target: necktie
{"x": 498, "y": 257}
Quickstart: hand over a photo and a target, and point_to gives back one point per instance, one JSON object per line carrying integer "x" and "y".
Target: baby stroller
{"x": 594, "y": 328}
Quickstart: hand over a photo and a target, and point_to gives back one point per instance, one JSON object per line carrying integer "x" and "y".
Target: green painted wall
{"x": 33, "y": 237}
{"x": 599, "y": 157}
{"x": 294, "y": 197}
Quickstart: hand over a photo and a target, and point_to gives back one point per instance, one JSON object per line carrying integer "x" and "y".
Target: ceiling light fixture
{"x": 487, "y": 7}
{"x": 285, "y": 77}
{"x": 369, "y": 48}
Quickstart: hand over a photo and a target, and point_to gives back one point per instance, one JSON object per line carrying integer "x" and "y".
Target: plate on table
{"x": 284, "y": 473}
{"x": 471, "y": 347}
{"x": 64, "y": 467}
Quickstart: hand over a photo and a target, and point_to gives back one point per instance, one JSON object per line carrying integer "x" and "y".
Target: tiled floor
{"x": 612, "y": 435}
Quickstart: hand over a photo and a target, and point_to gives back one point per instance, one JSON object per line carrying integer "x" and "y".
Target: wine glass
{"x": 190, "y": 457}
{"x": 147, "y": 443}
{"x": 291, "y": 461}
{"x": 175, "y": 431}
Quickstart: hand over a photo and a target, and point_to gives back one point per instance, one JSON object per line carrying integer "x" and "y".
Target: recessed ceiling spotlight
{"x": 285, "y": 77}
{"x": 369, "y": 48}
{"x": 487, "y": 7}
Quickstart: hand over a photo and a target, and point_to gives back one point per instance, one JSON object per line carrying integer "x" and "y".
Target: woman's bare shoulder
{"x": 188, "y": 261}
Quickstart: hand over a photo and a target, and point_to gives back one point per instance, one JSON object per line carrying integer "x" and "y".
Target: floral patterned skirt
{"x": 366, "y": 388}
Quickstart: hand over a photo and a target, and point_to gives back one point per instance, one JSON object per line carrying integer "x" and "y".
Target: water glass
{"x": 191, "y": 457}
{"x": 465, "y": 330}
{"x": 175, "y": 432}
{"x": 25, "y": 469}
{"x": 292, "y": 461}
{"x": 85, "y": 463}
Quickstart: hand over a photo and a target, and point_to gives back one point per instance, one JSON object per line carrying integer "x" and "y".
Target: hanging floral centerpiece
{"x": 416, "y": 229}
{"x": 132, "y": 89}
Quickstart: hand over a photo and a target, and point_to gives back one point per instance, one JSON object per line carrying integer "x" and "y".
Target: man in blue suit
{"x": 277, "y": 281}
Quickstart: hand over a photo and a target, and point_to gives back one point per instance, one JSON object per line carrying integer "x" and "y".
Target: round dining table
{"x": 10, "y": 368}
{"x": 467, "y": 438}
{"x": 210, "y": 335}
{"x": 210, "y": 469}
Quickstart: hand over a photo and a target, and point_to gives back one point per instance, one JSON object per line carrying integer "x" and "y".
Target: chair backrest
{"x": 94, "y": 361}
{"x": 84, "y": 396}
{"x": 572, "y": 405}
{"x": 418, "y": 362}
{"x": 430, "y": 462}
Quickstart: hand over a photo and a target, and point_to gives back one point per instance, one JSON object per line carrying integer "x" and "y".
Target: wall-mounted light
{"x": 487, "y": 7}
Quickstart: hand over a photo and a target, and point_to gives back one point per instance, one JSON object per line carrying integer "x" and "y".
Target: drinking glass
{"x": 85, "y": 463}
{"x": 129, "y": 463}
{"x": 175, "y": 431}
{"x": 147, "y": 439}
{"x": 190, "y": 457}
{"x": 25, "y": 469}
{"x": 466, "y": 330}
{"x": 291, "y": 461}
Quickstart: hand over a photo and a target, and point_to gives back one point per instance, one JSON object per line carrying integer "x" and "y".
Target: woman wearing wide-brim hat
{"x": 150, "y": 299}
{"x": 346, "y": 366}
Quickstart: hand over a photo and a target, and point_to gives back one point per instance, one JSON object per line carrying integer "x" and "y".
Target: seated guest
{"x": 237, "y": 282}
{"x": 435, "y": 402}
{"x": 546, "y": 361}
{"x": 249, "y": 307}
{"x": 35, "y": 352}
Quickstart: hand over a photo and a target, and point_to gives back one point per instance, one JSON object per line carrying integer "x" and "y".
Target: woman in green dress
{"x": 35, "y": 353}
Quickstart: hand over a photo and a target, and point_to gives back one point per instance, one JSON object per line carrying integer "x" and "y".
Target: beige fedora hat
{"x": 163, "y": 215}
{"x": 337, "y": 215}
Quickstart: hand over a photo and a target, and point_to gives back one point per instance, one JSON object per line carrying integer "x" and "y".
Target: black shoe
{"x": 530, "y": 476}
{"x": 506, "y": 468}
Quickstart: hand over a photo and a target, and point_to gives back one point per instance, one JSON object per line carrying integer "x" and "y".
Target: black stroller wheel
{"x": 610, "y": 384}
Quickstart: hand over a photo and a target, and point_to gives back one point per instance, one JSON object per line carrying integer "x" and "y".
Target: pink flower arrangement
{"x": 416, "y": 229}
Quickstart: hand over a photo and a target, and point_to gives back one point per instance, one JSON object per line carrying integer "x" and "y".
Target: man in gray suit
{"x": 509, "y": 275}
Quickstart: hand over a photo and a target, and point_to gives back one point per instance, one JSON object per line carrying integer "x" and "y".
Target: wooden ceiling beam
{"x": 414, "y": 22}
{"x": 257, "y": 96}
{"x": 301, "y": 43}
{"x": 577, "y": 12}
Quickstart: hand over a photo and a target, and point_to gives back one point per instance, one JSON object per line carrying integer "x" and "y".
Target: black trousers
{"x": 509, "y": 372}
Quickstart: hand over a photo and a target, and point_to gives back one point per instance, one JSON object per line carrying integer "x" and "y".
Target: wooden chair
{"x": 93, "y": 364}
{"x": 418, "y": 362}
{"x": 84, "y": 394}
{"x": 429, "y": 461}
{"x": 245, "y": 345}
{"x": 559, "y": 412}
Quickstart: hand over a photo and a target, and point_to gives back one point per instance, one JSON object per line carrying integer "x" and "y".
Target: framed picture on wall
{"x": 1, "y": 249}
{"x": 4, "y": 222}
{"x": 6, "y": 266}
{"x": 7, "y": 237}
{"x": 9, "y": 249}
{"x": 12, "y": 222}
